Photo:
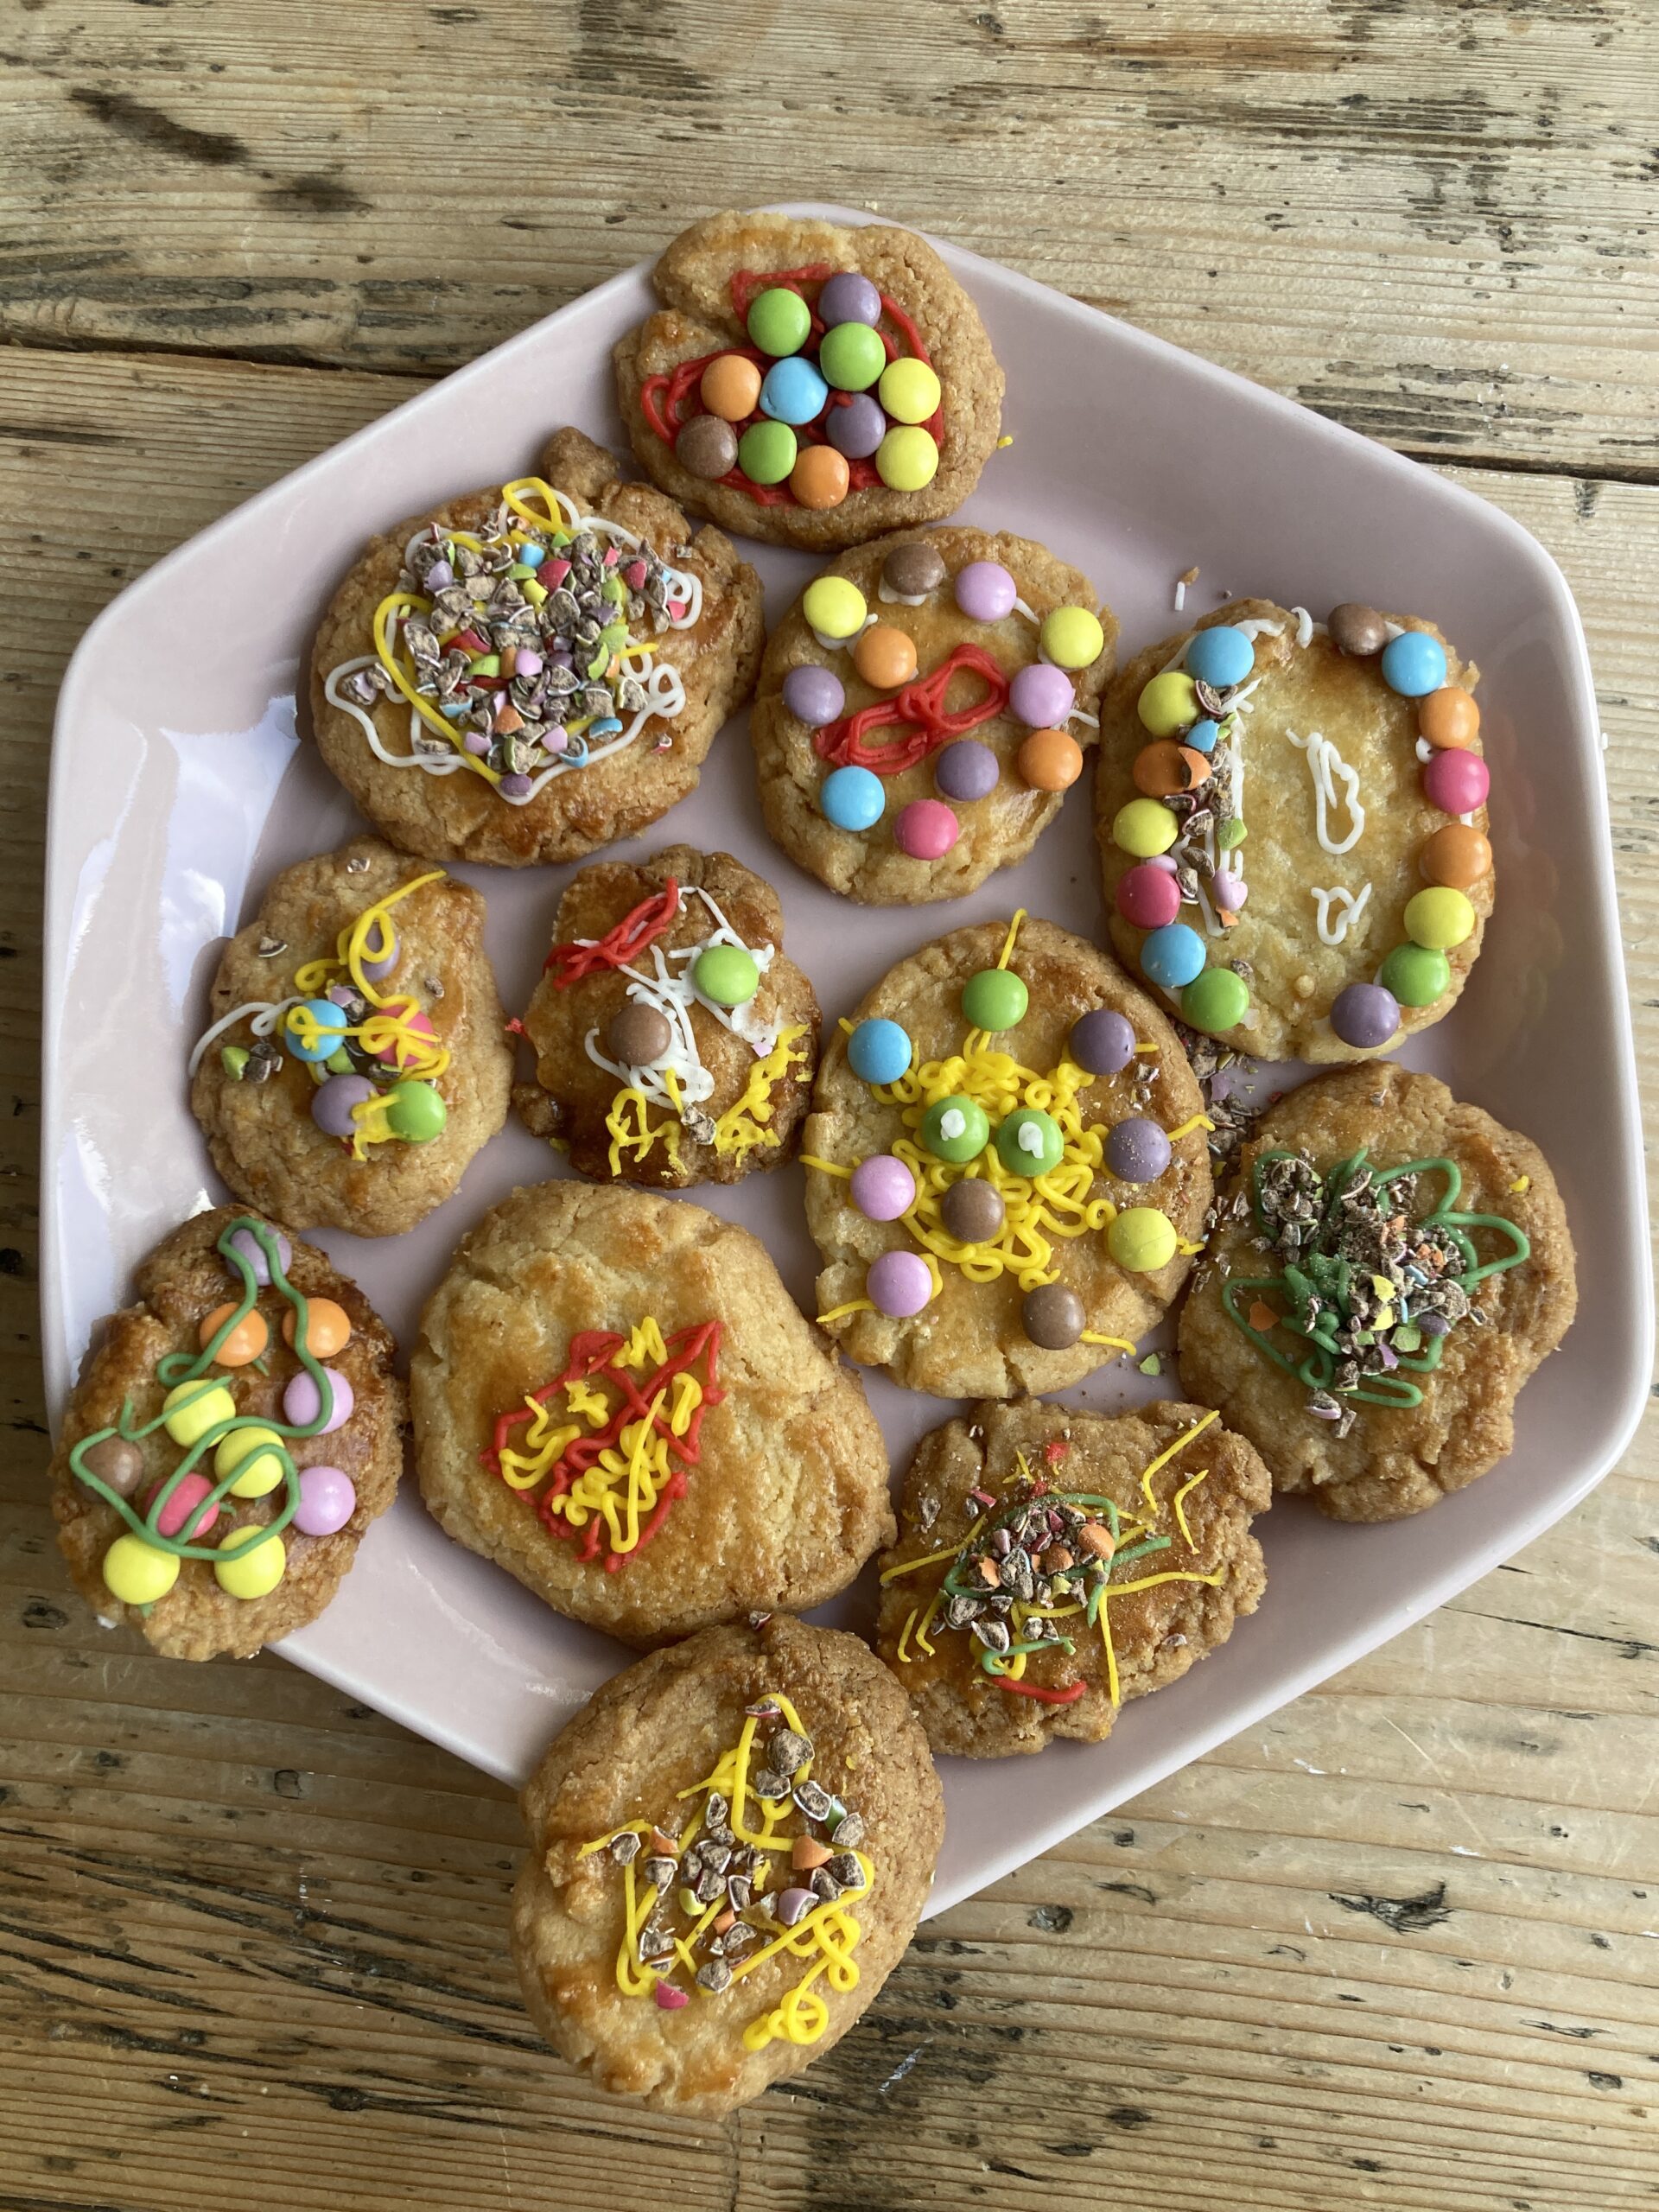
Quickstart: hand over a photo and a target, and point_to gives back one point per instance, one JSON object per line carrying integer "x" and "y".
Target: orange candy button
{"x": 1163, "y": 768}
{"x": 731, "y": 387}
{"x": 1455, "y": 856}
{"x": 820, "y": 477}
{"x": 245, "y": 1342}
{"x": 1049, "y": 760}
{"x": 885, "y": 657}
{"x": 1448, "y": 717}
{"x": 327, "y": 1330}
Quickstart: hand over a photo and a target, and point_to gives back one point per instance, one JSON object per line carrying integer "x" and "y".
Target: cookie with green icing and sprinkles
{"x": 1387, "y": 1267}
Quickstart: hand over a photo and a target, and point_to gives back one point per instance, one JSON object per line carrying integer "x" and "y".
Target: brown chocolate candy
{"x": 1053, "y": 1316}
{"x": 638, "y": 1035}
{"x": 913, "y": 570}
{"x": 707, "y": 447}
{"x": 118, "y": 1464}
{"x": 1358, "y": 630}
{"x": 972, "y": 1211}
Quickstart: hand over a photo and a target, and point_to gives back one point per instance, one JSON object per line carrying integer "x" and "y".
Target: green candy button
{"x": 727, "y": 974}
{"x": 1029, "y": 1142}
{"x": 1415, "y": 975}
{"x": 779, "y": 320}
{"x": 851, "y": 356}
{"x": 415, "y": 1111}
{"x": 957, "y": 1129}
{"x": 994, "y": 999}
{"x": 766, "y": 452}
{"x": 1215, "y": 1001}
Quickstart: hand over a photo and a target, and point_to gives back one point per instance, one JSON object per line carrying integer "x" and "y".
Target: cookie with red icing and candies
{"x": 233, "y": 1434}
{"x": 535, "y": 669}
{"x": 674, "y": 1042}
{"x": 1292, "y": 818}
{"x": 924, "y": 707}
{"x": 810, "y": 384}
{"x": 1007, "y": 1171}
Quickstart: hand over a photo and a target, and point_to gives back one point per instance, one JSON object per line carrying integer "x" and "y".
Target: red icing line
{"x": 638, "y": 928}
{"x": 1046, "y": 1697}
{"x": 1055, "y": 1450}
{"x": 919, "y": 705}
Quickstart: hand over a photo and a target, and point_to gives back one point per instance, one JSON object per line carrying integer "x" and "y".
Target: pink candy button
{"x": 926, "y": 829}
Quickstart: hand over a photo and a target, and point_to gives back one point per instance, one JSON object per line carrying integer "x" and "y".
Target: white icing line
{"x": 1325, "y": 765}
{"x": 1303, "y": 627}
{"x": 885, "y": 591}
{"x": 266, "y": 1012}
{"x": 1261, "y": 625}
{"x": 1425, "y": 751}
{"x": 1181, "y": 594}
{"x": 843, "y": 644}
{"x": 1351, "y": 909}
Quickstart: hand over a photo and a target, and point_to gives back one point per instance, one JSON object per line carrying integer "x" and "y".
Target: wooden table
{"x": 1398, "y": 1947}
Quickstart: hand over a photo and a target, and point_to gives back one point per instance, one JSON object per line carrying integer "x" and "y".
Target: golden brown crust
{"x": 460, "y": 817}
{"x": 996, "y": 831}
{"x": 1295, "y": 976}
{"x": 970, "y": 1341}
{"x": 1157, "y": 1634}
{"x": 262, "y": 1137}
{"x": 183, "y": 1279}
{"x": 572, "y": 1096}
{"x": 658, "y": 1728}
{"x": 789, "y": 1497}
{"x": 697, "y": 318}
{"x": 1392, "y": 1462}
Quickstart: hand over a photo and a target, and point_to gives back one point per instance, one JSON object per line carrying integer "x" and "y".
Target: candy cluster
{"x": 820, "y": 401}
{"x": 173, "y": 1518}
{"x": 911, "y": 723}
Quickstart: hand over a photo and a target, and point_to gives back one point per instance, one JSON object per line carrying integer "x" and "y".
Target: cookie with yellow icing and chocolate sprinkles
{"x": 1007, "y": 1171}
{"x": 730, "y": 1847}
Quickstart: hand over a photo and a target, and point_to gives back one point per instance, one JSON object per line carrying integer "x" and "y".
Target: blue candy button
{"x": 1173, "y": 955}
{"x": 1413, "y": 664}
{"x": 1202, "y": 736}
{"x": 852, "y": 798}
{"x": 879, "y": 1052}
{"x": 794, "y": 391}
{"x": 1222, "y": 656}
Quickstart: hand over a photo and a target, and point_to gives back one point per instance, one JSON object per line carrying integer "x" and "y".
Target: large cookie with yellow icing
{"x": 807, "y": 383}
{"x": 535, "y": 669}
{"x": 1292, "y": 827}
{"x": 924, "y": 708}
{"x": 674, "y": 1042}
{"x": 617, "y": 1400}
{"x": 1388, "y": 1268}
{"x": 1052, "y": 1564}
{"x": 1007, "y": 1171}
{"x": 730, "y": 1847}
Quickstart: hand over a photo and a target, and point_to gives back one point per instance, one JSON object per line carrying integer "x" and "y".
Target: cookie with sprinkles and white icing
{"x": 356, "y": 1057}
{"x": 617, "y": 1400}
{"x": 1052, "y": 1564}
{"x": 1388, "y": 1266}
{"x": 730, "y": 1846}
{"x": 808, "y": 383}
{"x": 1292, "y": 818}
{"x": 232, "y": 1436}
{"x": 535, "y": 669}
{"x": 675, "y": 1044}
{"x": 923, "y": 709}
{"x": 1007, "y": 1171}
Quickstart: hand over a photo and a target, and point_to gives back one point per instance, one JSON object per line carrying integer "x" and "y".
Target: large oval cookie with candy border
{"x": 616, "y": 1399}
{"x": 1005, "y": 1166}
{"x": 808, "y": 384}
{"x": 674, "y": 1042}
{"x": 1292, "y": 828}
{"x": 535, "y": 669}
{"x": 923, "y": 709}
{"x": 1390, "y": 1267}
{"x": 730, "y": 1846}
{"x": 232, "y": 1436}
{"x": 357, "y": 1058}
{"x": 1052, "y": 1564}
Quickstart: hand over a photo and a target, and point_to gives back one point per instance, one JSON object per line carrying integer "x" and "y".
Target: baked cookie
{"x": 1051, "y": 1564}
{"x": 534, "y": 671}
{"x": 616, "y": 1399}
{"x": 358, "y": 1057}
{"x": 924, "y": 707}
{"x": 1350, "y": 751}
{"x": 1388, "y": 1268}
{"x": 231, "y": 1438}
{"x": 1008, "y": 1165}
{"x": 674, "y": 1042}
{"x": 808, "y": 384}
{"x": 729, "y": 1848}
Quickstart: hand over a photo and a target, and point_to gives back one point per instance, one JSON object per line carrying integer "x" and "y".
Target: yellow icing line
{"x": 1179, "y": 1510}
{"x": 1165, "y": 1456}
{"x": 1196, "y": 1122}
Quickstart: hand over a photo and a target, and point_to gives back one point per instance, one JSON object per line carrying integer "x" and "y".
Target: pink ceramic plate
{"x": 179, "y": 786}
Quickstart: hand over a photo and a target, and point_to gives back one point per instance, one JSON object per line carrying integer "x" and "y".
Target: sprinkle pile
{"x": 763, "y": 1868}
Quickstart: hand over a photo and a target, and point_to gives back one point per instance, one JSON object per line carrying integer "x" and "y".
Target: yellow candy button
{"x": 1142, "y": 1239}
{"x": 909, "y": 390}
{"x": 906, "y": 458}
{"x": 191, "y": 1409}
{"x": 253, "y": 1442}
{"x": 136, "y": 1573}
{"x": 256, "y": 1574}
{"x": 833, "y": 607}
{"x": 1144, "y": 826}
{"x": 1168, "y": 704}
{"x": 1440, "y": 918}
{"x": 1071, "y": 637}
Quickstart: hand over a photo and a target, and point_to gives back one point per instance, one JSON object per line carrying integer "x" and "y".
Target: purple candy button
{"x": 1101, "y": 1042}
{"x": 302, "y": 1404}
{"x": 856, "y": 429}
{"x": 966, "y": 770}
{"x": 883, "y": 1188}
{"x": 985, "y": 591}
{"x": 899, "y": 1284}
{"x": 814, "y": 695}
{"x": 1364, "y": 1015}
{"x": 848, "y": 297}
{"x": 245, "y": 1241}
{"x": 1041, "y": 695}
{"x": 332, "y": 1104}
{"x": 1137, "y": 1151}
{"x": 327, "y": 1501}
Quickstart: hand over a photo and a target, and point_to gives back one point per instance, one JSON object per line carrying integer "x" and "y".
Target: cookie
{"x": 923, "y": 709}
{"x": 1388, "y": 1268}
{"x": 616, "y": 1399}
{"x": 1329, "y": 775}
{"x": 1052, "y": 1564}
{"x": 730, "y": 1847}
{"x": 1007, "y": 1169}
{"x": 674, "y": 1042}
{"x": 232, "y": 1436}
{"x": 808, "y": 384}
{"x": 357, "y": 1057}
{"x": 533, "y": 671}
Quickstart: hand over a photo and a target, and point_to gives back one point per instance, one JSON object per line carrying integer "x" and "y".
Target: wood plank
{"x": 1396, "y": 1946}
{"x": 1433, "y": 223}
